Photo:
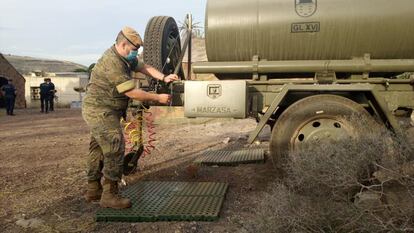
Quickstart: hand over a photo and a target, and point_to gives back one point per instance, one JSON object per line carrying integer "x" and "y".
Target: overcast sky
{"x": 80, "y": 31}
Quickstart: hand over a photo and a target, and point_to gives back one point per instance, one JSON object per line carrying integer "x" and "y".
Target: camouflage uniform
{"x": 103, "y": 106}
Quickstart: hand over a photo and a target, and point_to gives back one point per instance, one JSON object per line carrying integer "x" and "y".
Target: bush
{"x": 363, "y": 185}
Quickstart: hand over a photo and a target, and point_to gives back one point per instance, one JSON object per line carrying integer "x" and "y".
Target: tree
{"x": 91, "y": 66}
{"x": 80, "y": 70}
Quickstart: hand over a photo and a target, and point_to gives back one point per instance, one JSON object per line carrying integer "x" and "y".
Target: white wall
{"x": 64, "y": 87}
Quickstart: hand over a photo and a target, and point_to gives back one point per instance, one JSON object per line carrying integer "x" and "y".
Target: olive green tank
{"x": 236, "y": 30}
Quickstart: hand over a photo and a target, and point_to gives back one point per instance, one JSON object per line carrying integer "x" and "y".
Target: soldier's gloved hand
{"x": 164, "y": 98}
{"x": 170, "y": 78}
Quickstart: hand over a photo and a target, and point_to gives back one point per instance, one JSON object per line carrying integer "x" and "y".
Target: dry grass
{"x": 350, "y": 186}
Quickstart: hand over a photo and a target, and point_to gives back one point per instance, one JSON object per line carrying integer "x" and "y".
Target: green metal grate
{"x": 169, "y": 201}
{"x": 231, "y": 157}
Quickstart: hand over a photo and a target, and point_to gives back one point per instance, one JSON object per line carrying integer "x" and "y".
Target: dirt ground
{"x": 43, "y": 172}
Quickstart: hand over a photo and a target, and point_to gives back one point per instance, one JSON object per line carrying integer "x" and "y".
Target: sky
{"x": 78, "y": 30}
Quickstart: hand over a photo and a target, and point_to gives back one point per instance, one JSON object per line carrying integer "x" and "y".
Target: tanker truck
{"x": 301, "y": 66}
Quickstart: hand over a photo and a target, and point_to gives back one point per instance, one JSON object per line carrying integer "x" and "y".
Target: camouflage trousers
{"x": 107, "y": 145}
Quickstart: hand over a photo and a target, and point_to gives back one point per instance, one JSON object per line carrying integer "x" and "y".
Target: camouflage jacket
{"x": 110, "y": 79}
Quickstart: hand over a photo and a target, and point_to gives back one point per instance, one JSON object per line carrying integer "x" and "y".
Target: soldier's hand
{"x": 170, "y": 78}
{"x": 164, "y": 98}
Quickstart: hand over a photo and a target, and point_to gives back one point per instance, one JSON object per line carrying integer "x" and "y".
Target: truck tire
{"x": 315, "y": 119}
{"x": 162, "y": 41}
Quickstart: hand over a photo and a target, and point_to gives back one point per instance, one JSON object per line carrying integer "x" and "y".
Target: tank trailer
{"x": 301, "y": 66}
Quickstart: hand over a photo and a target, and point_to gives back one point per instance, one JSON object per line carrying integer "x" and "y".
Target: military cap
{"x": 132, "y": 36}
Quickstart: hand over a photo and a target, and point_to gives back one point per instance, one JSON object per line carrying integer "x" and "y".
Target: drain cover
{"x": 169, "y": 201}
{"x": 231, "y": 157}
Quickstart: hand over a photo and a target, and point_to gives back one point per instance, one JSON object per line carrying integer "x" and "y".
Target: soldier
{"x": 9, "y": 93}
{"x": 107, "y": 95}
{"x": 44, "y": 95}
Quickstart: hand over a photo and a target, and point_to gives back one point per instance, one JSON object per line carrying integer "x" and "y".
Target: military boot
{"x": 94, "y": 191}
{"x": 110, "y": 197}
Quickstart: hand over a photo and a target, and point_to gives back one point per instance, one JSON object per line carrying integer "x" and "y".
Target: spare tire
{"x": 162, "y": 49}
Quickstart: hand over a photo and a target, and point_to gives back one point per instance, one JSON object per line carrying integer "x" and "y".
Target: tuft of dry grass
{"x": 364, "y": 185}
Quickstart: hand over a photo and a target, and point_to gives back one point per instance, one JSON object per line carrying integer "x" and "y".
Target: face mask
{"x": 132, "y": 55}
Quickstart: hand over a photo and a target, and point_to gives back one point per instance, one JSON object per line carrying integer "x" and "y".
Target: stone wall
{"x": 7, "y": 71}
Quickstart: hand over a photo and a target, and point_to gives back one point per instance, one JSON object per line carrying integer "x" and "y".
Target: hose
{"x": 133, "y": 130}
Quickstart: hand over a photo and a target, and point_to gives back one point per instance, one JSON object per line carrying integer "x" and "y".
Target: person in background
{"x": 9, "y": 93}
{"x": 44, "y": 95}
{"x": 52, "y": 92}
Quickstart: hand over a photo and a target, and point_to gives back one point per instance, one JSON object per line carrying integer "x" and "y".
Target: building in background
{"x": 7, "y": 71}
{"x": 65, "y": 85}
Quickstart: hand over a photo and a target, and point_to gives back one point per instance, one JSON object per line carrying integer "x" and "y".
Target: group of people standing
{"x": 47, "y": 95}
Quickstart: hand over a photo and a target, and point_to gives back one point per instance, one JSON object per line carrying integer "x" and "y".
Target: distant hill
{"x": 26, "y": 65}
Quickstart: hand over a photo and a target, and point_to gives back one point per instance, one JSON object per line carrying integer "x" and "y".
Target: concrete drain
{"x": 169, "y": 201}
{"x": 231, "y": 157}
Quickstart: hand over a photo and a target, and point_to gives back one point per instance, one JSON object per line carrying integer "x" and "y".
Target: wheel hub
{"x": 320, "y": 131}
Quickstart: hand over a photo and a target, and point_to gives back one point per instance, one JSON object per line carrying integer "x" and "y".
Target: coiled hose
{"x": 134, "y": 140}
{"x": 133, "y": 129}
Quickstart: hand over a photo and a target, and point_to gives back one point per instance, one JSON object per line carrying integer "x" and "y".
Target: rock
{"x": 30, "y": 223}
{"x": 123, "y": 182}
{"x": 412, "y": 118}
{"x": 226, "y": 140}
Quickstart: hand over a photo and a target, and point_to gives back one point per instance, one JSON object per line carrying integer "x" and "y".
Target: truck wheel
{"x": 162, "y": 48}
{"x": 316, "y": 119}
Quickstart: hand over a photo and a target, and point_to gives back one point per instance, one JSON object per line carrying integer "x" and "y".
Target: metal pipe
{"x": 190, "y": 29}
{"x": 184, "y": 48}
{"x": 377, "y": 81}
{"x": 304, "y": 66}
{"x": 340, "y": 81}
